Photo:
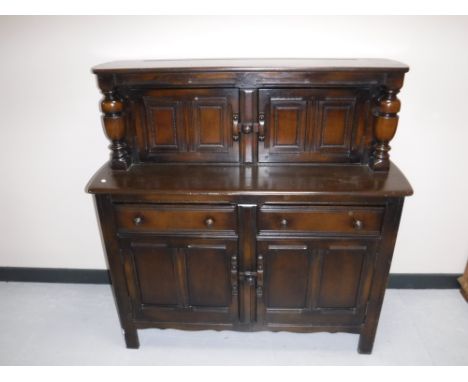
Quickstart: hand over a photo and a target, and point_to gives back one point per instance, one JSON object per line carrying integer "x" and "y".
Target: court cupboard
{"x": 250, "y": 194}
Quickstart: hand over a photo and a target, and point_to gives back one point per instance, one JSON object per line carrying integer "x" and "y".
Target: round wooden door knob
{"x": 358, "y": 224}
{"x": 247, "y": 129}
{"x": 137, "y": 220}
{"x": 209, "y": 222}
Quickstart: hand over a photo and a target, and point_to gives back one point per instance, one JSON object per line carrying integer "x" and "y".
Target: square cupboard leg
{"x": 366, "y": 340}
{"x": 131, "y": 337}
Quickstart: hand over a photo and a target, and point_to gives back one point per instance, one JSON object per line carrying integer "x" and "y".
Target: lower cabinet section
{"x": 248, "y": 271}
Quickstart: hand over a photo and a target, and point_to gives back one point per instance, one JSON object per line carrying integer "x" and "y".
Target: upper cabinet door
{"x": 187, "y": 125}
{"x": 313, "y": 125}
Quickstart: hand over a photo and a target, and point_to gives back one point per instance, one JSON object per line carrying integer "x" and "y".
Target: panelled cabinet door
{"x": 186, "y": 282}
{"x": 315, "y": 282}
{"x": 187, "y": 125}
{"x": 312, "y": 125}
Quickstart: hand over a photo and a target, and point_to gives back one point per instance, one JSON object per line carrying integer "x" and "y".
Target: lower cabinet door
{"x": 174, "y": 281}
{"x": 315, "y": 282}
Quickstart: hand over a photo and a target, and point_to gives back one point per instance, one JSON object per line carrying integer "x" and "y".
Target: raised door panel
{"x": 208, "y": 276}
{"x": 182, "y": 281}
{"x": 211, "y": 125}
{"x": 167, "y": 130}
{"x": 314, "y": 282}
{"x": 335, "y": 125}
{"x": 180, "y": 125}
{"x": 156, "y": 262}
{"x": 288, "y": 126}
{"x": 313, "y": 125}
{"x": 343, "y": 269}
{"x": 287, "y": 269}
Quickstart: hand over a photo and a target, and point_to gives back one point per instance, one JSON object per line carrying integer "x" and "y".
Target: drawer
{"x": 326, "y": 220}
{"x": 175, "y": 218}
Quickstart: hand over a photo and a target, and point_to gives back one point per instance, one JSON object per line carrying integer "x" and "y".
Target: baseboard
{"x": 423, "y": 281}
{"x": 55, "y": 275}
{"x": 101, "y": 276}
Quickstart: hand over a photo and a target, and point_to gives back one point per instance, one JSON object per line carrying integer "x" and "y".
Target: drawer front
{"x": 326, "y": 220}
{"x": 173, "y": 218}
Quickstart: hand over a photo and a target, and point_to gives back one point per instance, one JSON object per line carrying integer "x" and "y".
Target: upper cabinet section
{"x": 251, "y": 111}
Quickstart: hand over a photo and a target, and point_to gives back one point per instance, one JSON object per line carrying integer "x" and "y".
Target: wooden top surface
{"x": 274, "y": 64}
{"x": 193, "y": 179}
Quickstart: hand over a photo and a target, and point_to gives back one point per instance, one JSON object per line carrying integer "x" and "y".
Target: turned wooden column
{"x": 114, "y": 126}
{"x": 385, "y": 125}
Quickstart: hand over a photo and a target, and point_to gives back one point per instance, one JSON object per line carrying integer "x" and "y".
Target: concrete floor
{"x": 71, "y": 324}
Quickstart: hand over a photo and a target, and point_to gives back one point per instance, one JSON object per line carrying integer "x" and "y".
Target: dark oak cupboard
{"x": 250, "y": 194}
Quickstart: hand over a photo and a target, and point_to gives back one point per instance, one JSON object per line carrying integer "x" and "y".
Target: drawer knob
{"x": 209, "y": 222}
{"x": 358, "y": 224}
{"x": 284, "y": 223}
{"x": 137, "y": 220}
